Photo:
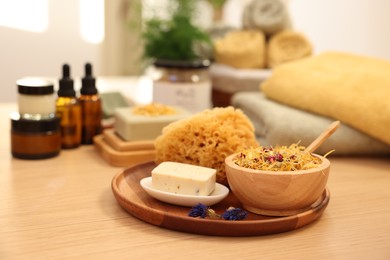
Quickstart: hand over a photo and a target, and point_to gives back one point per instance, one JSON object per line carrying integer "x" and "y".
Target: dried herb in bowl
{"x": 278, "y": 158}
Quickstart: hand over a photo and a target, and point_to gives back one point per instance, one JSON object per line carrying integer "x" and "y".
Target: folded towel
{"x": 287, "y": 46}
{"x": 231, "y": 80}
{"x": 268, "y": 16}
{"x": 277, "y": 124}
{"x": 346, "y": 87}
{"x": 241, "y": 49}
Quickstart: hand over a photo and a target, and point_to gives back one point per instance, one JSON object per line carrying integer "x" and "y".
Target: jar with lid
{"x": 35, "y": 129}
{"x": 183, "y": 83}
{"x": 36, "y": 98}
{"x": 35, "y": 139}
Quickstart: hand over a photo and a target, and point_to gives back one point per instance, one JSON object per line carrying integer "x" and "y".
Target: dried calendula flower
{"x": 154, "y": 109}
{"x": 279, "y": 158}
{"x": 212, "y": 214}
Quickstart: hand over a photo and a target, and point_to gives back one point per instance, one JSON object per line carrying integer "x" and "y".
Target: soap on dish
{"x": 145, "y": 122}
{"x": 185, "y": 179}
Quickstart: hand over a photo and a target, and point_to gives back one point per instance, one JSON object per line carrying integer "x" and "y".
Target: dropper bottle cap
{"x": 66, "y": 83}
{"x": 88, "y": 86}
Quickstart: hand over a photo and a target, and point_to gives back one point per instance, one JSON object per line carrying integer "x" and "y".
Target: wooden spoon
{"x": 322, "y": 137}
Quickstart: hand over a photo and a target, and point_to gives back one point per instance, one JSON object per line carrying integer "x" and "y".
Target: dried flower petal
{"x": 212, "y": 214}
{"x": 234, "y": 214}
{"x": 279, "y": 157}
{"x": 199, "y": 210}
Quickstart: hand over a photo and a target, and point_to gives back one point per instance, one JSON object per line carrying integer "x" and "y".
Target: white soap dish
{"x": 220, "y": 192}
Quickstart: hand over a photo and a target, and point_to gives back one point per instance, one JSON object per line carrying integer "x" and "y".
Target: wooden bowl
{"x": 277, "y": 193}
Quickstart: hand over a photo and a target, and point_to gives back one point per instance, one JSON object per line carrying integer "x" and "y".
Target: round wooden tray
{"x": 130, "y": 195}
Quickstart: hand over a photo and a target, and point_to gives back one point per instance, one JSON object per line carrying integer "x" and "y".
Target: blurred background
{"x": 38, "y": 36}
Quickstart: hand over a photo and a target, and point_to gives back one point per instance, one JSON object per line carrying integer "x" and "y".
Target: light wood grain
{"x": 119, "y": 144}
{"x": 277, "y": 193}
{"x": 323, "y": 137}
{"x": 121, "y": 158}
{"x": 63, "y": 208}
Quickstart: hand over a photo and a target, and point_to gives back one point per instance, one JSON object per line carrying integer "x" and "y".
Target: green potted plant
{"x": 180, "y": 52}
{"x": 176, "y": 38}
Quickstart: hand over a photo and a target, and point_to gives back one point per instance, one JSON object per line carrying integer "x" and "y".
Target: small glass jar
{"x": 36, "y": 98}
{"x": 183, "y": 83}
{"x": 35, "y": 139}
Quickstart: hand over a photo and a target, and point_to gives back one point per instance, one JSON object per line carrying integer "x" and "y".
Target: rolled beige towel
{"x": 351, "y": 88}
{"x": 241, "y": 49}
{"x": 278, "y": 124}
{"x": 268, "y": 16}
{"x": 287, "y": 46}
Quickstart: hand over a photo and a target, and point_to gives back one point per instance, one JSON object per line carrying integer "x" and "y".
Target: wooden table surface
{"x": 63, "y": 208}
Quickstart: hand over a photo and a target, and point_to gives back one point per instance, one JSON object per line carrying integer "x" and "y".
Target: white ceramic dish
{"x": 220, "y": 192}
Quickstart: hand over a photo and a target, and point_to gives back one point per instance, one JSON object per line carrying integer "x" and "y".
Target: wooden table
{"x": 63, "y": 208}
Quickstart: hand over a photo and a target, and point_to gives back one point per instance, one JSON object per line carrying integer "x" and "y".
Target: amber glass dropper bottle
{"x": 69, "y": 110}
{"x": 91, "y": 107}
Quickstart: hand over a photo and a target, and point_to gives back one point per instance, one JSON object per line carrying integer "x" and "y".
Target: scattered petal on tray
{"x": 201, "y": 210}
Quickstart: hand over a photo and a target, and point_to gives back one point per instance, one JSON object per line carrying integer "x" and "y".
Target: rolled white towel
{"x": 269, "y": 16}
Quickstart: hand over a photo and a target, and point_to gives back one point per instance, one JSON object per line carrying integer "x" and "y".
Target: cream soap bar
{"x": 186, "y": 179}
{"x": 136, "y": 127}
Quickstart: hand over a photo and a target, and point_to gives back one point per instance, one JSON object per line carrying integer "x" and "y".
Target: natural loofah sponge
{"x": 206, "y": 139}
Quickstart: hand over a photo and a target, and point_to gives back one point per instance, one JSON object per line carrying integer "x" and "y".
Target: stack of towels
{"x": 301, "y": 98}
{"x": 266, "y": 39}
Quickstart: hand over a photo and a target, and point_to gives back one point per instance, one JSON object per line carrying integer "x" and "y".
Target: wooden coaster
{"x": 122, "y": 158}
{"x": 119, "y": 144}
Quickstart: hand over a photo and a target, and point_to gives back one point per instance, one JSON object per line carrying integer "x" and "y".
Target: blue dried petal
{"x": 234, "y": 214}
{"x": 199, "y": 210}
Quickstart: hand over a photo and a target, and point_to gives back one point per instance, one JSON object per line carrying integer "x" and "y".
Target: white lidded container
{"x": 185, "y": 84}
{"x": 36, "y": 99}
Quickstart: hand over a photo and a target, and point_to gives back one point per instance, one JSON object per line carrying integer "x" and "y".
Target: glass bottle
{"x": 91, "y": 107}
{"x": 68, "y": 108}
